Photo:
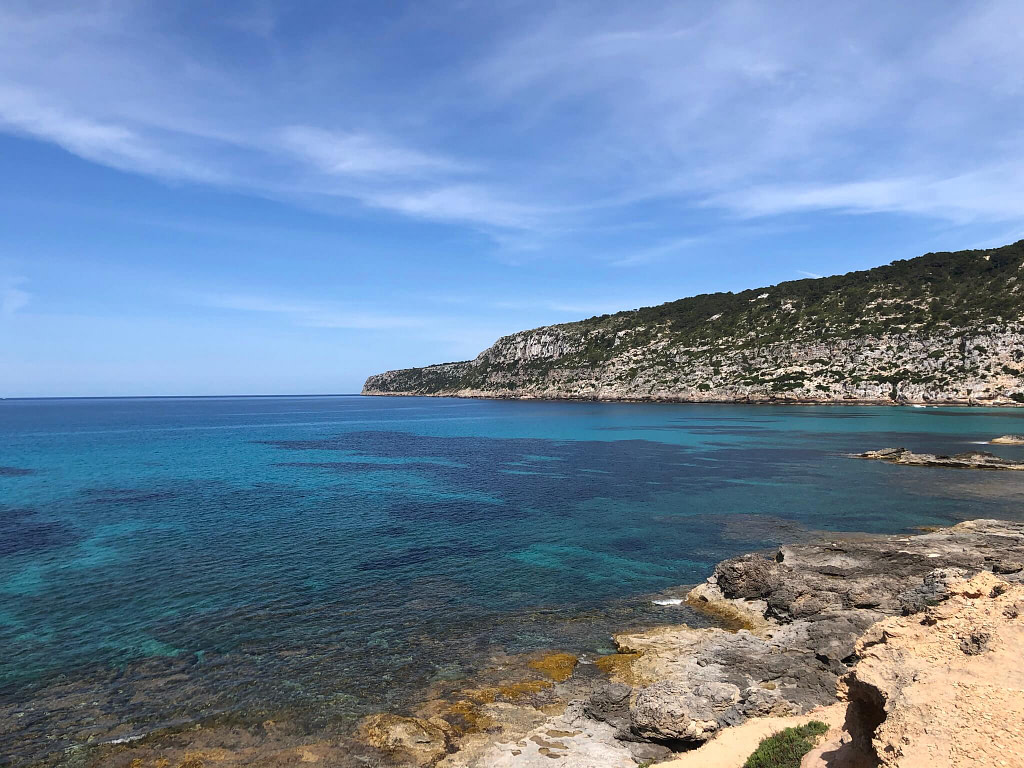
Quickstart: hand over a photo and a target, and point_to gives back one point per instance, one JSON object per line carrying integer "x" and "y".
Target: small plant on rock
{"x": 786, "y": 748}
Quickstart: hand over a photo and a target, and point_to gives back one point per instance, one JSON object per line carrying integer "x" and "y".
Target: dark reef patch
{"x": 15, "y": 471}
{"x": 21, "y": 531}
{"x": 513, "y": 470}
{"x": 695, "y": 430}
{"x": 127, "y": 496}
{"x": 415, "y": 556}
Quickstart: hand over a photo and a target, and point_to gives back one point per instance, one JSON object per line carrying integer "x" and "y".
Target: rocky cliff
{"x": 941, "y": 328}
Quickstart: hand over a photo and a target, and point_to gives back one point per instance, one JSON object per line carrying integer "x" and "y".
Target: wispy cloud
{"x": 654, "y": 253}
{"x": 309, "y": 314}
{"x": 160, "y": 104}
{"x": 754, "y": 109}
{"x": 103, "y": 142}
{"x": 338, "y": 153}
{"x": 574, "y": 116}
{"x": 12, "y": 297}
{"x": 460, "y": 202}
{"x": 995, "y": 194}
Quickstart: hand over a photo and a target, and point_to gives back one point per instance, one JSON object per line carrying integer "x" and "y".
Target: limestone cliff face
{"x": 943, "y": 328}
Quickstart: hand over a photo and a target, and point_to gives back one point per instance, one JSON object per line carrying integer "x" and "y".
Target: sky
{"x": 258, "y": 197}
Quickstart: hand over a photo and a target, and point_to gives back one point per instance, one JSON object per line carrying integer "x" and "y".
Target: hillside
{"x": 943, "y": 328}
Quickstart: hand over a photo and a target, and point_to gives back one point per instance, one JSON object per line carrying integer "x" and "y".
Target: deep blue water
{"x": 330, "y": 552}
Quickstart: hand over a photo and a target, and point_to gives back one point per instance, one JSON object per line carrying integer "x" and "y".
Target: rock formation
{"x": 408, "y": 739}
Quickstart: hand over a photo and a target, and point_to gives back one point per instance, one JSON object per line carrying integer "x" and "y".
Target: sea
{"x": 168, "y": 560}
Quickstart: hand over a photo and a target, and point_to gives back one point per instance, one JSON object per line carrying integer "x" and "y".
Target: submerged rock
{"x": 556, "y": 666}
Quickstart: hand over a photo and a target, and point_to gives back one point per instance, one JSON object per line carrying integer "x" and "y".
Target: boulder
{"x": 670, "y": 710}
{"x": 749, "y": 577}
{"x": 413, "y": 739}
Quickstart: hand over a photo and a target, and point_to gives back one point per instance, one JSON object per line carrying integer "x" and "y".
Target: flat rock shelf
{"x": 966, "y": 460}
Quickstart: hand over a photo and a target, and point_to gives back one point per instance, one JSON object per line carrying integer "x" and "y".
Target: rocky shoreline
{"x": 822, "y": 629}
{"x": 800, "y": 625}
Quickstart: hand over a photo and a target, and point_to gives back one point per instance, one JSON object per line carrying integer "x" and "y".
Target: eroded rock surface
{"x": 948, "y": 681}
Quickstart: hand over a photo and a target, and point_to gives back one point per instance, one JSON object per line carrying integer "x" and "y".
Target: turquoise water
{"x": 318, "y": 553}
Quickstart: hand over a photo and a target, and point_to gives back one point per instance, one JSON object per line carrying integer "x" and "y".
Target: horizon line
{"x": 181, "y": 397}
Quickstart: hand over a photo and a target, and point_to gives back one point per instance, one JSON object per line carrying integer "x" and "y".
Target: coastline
{"x": 788, "y": 636}
{"x": 651, "y": 400}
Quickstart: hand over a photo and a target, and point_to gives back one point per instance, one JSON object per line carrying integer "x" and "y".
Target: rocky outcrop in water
{"x": 968, "y": 460}
{"x": 1008, "y": 440}
{"x": 942, "y": 328}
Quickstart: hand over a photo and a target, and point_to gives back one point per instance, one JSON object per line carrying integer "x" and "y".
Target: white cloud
{"x": 460, "y": 202}
{"x": 102, "y": 142}
{"x": 777, "y": 108}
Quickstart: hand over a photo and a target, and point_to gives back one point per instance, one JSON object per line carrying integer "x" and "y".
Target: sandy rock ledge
{"x": 947, "y": 685}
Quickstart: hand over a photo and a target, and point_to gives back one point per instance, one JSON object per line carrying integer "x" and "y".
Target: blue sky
{"x": 267, "y": 197}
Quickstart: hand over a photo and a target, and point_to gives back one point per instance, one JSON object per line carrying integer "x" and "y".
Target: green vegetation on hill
{"x": 926, "y": 293}
{"x": 722, "y": 341}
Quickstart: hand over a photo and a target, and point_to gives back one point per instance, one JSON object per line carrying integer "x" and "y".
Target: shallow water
{"x": 332, "y": 555}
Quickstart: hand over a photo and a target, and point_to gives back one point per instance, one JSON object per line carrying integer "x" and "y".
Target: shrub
{"x": 786, "y": 748}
